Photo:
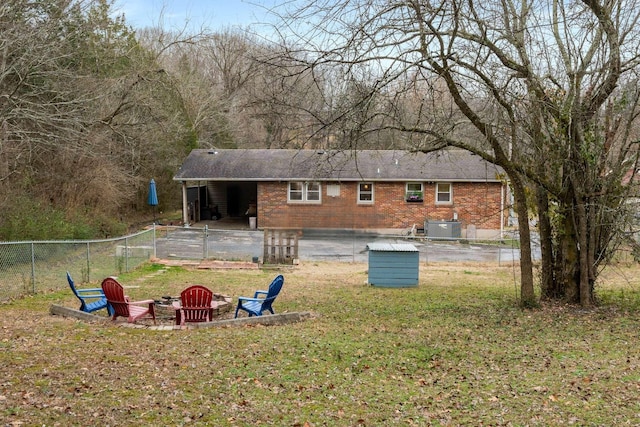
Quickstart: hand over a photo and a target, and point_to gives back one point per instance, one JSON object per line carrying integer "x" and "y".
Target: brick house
{"x": 367, "y": 190}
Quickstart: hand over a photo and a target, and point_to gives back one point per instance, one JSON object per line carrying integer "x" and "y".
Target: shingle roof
{"x": 320, "y": 165}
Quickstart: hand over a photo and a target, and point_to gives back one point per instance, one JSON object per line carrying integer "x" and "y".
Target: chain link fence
{"x": 37, "y": 266}
{"x": 40, "y": 266}
{"x": 205, "y": 243}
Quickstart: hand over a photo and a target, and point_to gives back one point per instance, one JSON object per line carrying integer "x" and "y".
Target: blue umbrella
{"x": 152, "y": 200}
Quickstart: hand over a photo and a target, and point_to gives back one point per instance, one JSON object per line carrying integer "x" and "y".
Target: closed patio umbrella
{"x": 152, "y": 199}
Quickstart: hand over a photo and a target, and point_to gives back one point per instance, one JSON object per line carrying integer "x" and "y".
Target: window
{"x": 443, "y": 193}
{"x": 313, "y": 191}
{"x": 304, "y": 192}
{"x": 413, "y": 192}
{"x": 365, "y": 192}
{"x": 295, "y": 191}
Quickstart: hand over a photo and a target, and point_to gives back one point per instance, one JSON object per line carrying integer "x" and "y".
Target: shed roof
{"x": 321, "y": 165}
{"x": 391, "y": 247}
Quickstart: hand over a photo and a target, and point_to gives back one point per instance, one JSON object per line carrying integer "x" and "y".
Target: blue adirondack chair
{"x": 91, "y": 299}
{"x": 257, "y": 305}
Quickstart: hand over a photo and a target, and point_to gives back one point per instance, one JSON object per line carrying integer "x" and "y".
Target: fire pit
{"x": 166, "y": 306}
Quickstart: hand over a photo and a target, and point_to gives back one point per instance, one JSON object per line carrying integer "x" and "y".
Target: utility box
{"x": 393, "y": 265}
{"x": 442, "y": 229}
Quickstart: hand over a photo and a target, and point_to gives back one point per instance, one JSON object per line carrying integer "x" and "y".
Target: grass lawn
{"x": 455, "y": 350}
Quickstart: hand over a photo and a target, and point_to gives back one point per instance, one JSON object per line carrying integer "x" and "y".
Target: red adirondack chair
{"x": 122, "y": 306}
{"x": 194, "y": 306}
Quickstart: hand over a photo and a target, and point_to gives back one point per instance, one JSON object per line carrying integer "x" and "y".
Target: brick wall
{"x": 474, "y": 203}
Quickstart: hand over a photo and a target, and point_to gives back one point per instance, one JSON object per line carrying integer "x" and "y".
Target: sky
{"x": 212, "y": 14}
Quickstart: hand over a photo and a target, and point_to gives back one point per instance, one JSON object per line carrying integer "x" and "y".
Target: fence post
{"x": 426, "y": 250}
{"x": 33, "y": 268}
{"x": 126, "y": 254}
{"x": 205, "y": 248}
{"x": 88, "y": 263}
{"x": 154, "y": 240}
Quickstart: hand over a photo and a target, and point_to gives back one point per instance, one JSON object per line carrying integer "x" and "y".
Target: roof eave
{"x": 363, "y": 179}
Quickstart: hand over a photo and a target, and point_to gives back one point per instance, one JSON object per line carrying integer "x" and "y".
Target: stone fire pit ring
{"x": 165, "y": 307}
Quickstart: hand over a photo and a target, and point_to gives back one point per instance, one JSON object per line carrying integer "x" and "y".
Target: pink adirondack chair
{"x": 194, "y": 306}
{"x": 122, "y": 306}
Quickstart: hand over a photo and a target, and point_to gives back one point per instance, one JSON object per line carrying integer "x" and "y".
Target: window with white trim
{"x": 413, "y": 191}
{"x": 304, "y": 192}
{"x": 365, "y": 192}
{"x": 313, "y": 191}
{"x": 444, "y": 192}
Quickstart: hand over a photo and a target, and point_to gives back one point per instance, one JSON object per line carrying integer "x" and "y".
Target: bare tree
{"x": 233, "y": 92}
{"x": 41, "y": 104}
{"x": 85, "y": 113}
{"x": 546, "y": 90}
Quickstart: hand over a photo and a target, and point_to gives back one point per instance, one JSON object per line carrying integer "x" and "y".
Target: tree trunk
{"x": 548, "y": 285}
{"x": 527, "y": 294}
{"x": 583, "y": 242}
{"x": 568, "y": 265}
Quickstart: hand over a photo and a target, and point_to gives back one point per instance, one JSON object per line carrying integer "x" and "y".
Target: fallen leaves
{"x": 436, "y": 354}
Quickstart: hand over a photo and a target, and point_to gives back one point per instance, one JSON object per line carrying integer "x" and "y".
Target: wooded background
{"x": 91, "y": 110}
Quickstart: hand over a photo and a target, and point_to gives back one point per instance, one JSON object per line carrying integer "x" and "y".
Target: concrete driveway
{"x": 354, "y": 249}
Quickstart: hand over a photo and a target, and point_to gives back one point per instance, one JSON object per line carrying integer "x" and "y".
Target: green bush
{"x": 27, "y": 219}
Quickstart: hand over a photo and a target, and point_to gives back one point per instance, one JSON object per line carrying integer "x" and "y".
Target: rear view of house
{"x": 367, "y": 190}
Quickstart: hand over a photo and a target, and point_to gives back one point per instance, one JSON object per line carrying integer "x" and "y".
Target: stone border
{"x": 270, "y": 320}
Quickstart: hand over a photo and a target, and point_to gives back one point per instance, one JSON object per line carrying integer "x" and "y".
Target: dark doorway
{"x": 234, "y": 200}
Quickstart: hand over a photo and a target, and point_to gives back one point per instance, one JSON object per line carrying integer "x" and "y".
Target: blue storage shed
{"x": 393, "y": 265}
